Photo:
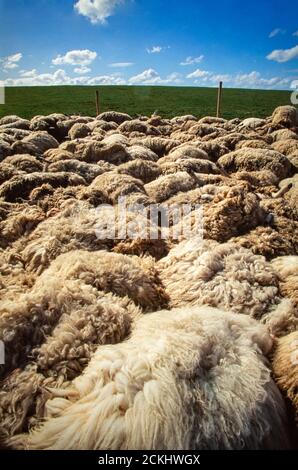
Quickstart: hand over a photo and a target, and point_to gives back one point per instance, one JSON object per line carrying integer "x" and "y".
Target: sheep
{"x": 184, "y": 151}
{"x": 286, "y": 116}
{"x": 57, "y": 154}
{"x": 113, "y": 116}
{"x": 93, "y": 151}
{"x": 8, "y": 171}
{"x": 22, "y": 124}
{"x": 293, "y": 158}
{"x": 197, "y": 272}
{"x": 135, "y": 125}
{"x": 286, "y": 147}
{"x": 20, "y": 186}
{"x": 5, "y": 149}
{"x": 253, "y": 144}
{"x": 88, "y": 171}
{"x": 23, "y": 324}
{"x": 140, "y": 169}
{"x": 21, "y": 222}
{"x": 231, "y": 212}
{"x": 285, "y": 367}
{"x": 257, "y": 179}
{"x": 283, "y": 134}
{"x": 77, "y": 225}
{"x": 102, "y": 319}
{"x": 267, "y": 241}
{"x": 174, "y": 360}
{"x": 36, "y": 142}
{"x": 9, "y": 119}
{"x": 213, "y": 149}
{"x": 286, "y": 268}
{"x": 79, "y": 130}
{"x": 159, "y": 145}
{"x": 212, "y": 120}
{"x": 256, "y": 159}
{"x": 114, "y": 185}
{"x": 166, "y": 186}
{"x": 139, "y": 152}
{"x": 190, "y": 165}
{"x": 26, "y": 163}
{"x": 252, "y": 123}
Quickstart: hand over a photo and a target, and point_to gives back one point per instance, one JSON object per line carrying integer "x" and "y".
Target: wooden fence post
{"x": 97, "y": 102}
{"x": 219, "y": 95}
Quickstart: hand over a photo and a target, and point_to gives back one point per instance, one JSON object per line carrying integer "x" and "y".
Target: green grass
{"x": 168, "y": 101}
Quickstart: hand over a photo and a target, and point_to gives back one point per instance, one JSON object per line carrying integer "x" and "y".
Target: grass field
{"x": 168, "y": 101}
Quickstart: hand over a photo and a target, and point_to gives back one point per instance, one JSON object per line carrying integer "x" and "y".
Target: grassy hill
{"x": 168, "y": 101}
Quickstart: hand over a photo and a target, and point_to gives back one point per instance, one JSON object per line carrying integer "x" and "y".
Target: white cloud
{"x": 97, "y": 10}
{"x": 275, "y": 32}
{"x": 121, "y": 64}
{"x": 247, "y": 80}
{"x": 77, "y": 57}
{"x": 154, "y": 50}
{"x": 199, "y": 74}
{"x": 151, "y": 77}
{"x": 106, "y": 80}
{"x": 28, "y": 73}
{"x": 82, "y": 70}
{"x": 11, "y": 62}
{"x": 295, "y": 33}
{"x": 60, "y": 77}
{"x": 283, "y": 55}
{"x": 192, "y": 60}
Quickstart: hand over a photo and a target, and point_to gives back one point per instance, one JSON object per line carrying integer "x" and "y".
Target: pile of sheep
{"x": 149, "y": 343}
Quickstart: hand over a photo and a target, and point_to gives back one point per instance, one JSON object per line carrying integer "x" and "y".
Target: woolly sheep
{"x": 285, "y": 367}
{"x": 283, "y": 134}
{"x": 26, "y": 163}
{"x": 153, "y": 391}
{"x": 256, "y": 159}
{"x": 88, "y": 171}
{"x": 286, "y": 268}
{"x": 141, "y": 169}
{"x": 197, "y": 272}
{"x": 166, "y": 186}
{"x": 21, "y": 186}
{"x": 114, "y": 116}
{"x": 286, "y": 116}
{"x": 286, "y": 147}
{"x": 78, "y": 130}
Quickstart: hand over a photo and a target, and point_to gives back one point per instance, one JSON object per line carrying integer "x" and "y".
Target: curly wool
{"x": 103, "y": 319}
{"x": 285, "y": 367}
{"x": 266, "y": 241}
{"x": 20, "y": 186}
{"x": 24, "y": 323}
{"x": 26, "y": 163}
{"x": 114, "y": 185}
{"x": 256, "y": 159}
{"x": 88, "y": 171}
{"x": 159, "y": 145}
{"x": 286, "y": 268}
{"x": 143, "y": 170}
{"x": 197, "y": 272}
{"x": 286, "y": 116}
{"x": 286, "y": 147}
{"x": 231, "y": 212}
{"x": 153, "y": 391}
{"x": 167, "y": 186}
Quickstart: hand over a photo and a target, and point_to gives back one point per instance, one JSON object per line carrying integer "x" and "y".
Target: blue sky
{"x": 190, "y": 43}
